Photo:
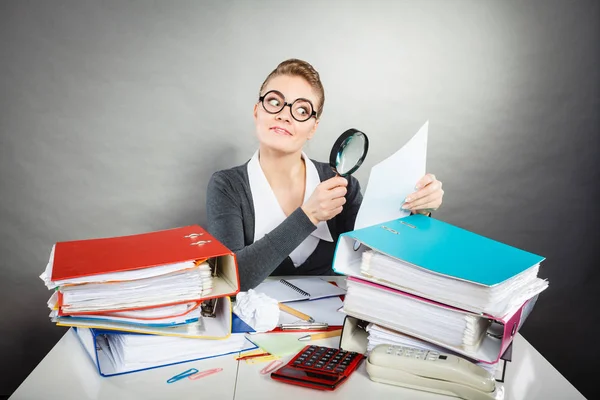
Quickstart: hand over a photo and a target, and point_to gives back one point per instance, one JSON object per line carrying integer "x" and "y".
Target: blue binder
{"x": 89, "y": 339}
{"x": 441, "y": 248}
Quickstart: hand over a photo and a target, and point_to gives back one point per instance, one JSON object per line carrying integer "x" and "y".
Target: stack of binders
{"x": 425, "y": 283}
{"x": 146, "y": 300}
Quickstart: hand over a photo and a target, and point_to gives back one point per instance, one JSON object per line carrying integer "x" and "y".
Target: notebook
{"x": 285, "y": 290}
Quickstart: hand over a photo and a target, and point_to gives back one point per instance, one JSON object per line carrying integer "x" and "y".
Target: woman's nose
{"x": 285, "y": 113}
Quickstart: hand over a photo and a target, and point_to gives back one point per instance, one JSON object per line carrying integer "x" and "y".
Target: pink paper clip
{"x": 202, "y": 374}
{"x": 271, "y": 367}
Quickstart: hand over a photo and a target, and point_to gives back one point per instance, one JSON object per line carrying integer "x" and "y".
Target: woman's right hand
{"x": 327, "y": 200}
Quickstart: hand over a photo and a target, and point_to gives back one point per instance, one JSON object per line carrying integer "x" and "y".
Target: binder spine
{"x": 296, "y": 288}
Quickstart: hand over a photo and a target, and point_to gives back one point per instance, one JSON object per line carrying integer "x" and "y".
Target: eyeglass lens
{"x": 273, "y": 102}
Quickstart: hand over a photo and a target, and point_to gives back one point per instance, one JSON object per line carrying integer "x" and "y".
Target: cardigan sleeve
{"x": 225, "y": 222}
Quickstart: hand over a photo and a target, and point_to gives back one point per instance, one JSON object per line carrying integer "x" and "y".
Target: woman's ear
{"x": 255, "y": 112}
{"x": 313, "y": 130}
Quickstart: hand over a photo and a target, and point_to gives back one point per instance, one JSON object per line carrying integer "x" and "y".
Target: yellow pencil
{"x": 322, "y": 335}
{"x": 296, "y": 313}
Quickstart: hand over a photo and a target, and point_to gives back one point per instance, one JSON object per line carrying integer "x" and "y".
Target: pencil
{"x": 322, "y": 335}
{"x": 296, "y": 313}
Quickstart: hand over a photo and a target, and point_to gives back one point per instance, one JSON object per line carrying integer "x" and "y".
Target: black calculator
{"x": 319, "y": 367}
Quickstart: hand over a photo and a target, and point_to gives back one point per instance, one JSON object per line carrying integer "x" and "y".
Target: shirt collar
{"x": 267, "y": 199}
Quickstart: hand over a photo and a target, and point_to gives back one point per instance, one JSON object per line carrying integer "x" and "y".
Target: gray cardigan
{"x": 230, "y": 213}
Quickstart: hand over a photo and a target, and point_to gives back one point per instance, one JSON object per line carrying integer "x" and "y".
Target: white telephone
{"x": 431, "y": 371}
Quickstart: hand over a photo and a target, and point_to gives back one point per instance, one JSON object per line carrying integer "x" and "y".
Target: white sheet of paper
{"x": 392, "y": 180}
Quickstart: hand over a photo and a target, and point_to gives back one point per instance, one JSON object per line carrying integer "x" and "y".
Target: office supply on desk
{"x": 431, "y": 371}
{"x": 203, "y": 374}
{"x": 481, "y": 337}
{"x": 260, "y": 353}
{"x": 321, "y": 335}
{"x": 318, "y": 367}
{"x": 277, "y": 344}
{"x": 286, "y": 290}
{"x": 302, "y": 327}
{"x": 433, "y": 259}
{"x": 324, "y": 310}
{"x": 219, "y": 327}
{"x": 116, "y": 353}
{"x": 182, "y": 375}
{"x": 379, "y": 335}
{"x": 271, "y": 367}
{"x": 382, "y": 201}
{"x": 295, "y": 313}
{"x": 142, "y": 271}
{"x": 157, "y": 317}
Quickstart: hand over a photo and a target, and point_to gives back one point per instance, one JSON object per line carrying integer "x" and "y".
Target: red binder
{"x": 78, "y": 258}
{"x": 74, "y": 259}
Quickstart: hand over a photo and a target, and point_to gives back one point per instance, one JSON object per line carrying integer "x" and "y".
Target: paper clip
{"x": 182, "y": 375}
{"x": 271, "y": 367}
{"x": 204, "y": 373}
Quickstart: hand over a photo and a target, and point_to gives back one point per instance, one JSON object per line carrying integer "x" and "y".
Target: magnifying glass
{"x": 348, "y": 152}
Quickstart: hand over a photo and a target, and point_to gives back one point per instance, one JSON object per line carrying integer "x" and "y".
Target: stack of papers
{"x": 118, "y": 353}
{"x": 497, "y": 300}
{"x": 422, "y": 318}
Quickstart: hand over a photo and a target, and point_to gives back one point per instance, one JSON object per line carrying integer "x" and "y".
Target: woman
{"x": 281, "y": 213}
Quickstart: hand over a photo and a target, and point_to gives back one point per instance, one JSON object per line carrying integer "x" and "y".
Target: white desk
{"x": 67, "y": 372}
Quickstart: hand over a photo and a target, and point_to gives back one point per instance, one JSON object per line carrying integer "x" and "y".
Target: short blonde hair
{"x": 295, "y": 67}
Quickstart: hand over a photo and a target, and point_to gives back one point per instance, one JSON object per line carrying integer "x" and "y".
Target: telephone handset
{"x": 431, "y": 371}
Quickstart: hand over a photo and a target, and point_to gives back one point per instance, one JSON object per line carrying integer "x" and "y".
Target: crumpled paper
{"x": 258, "y": 310}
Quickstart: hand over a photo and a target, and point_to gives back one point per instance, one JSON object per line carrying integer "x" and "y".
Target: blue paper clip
{"x": 182, "y": 375}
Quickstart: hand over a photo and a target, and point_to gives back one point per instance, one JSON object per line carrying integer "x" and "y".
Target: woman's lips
{"x": 281, "y": 131}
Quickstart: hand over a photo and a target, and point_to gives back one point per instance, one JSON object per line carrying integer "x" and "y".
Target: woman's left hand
{"x": 427, "y": 198}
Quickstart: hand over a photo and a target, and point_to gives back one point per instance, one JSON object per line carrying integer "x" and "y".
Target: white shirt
{"x": 268, "y": 213}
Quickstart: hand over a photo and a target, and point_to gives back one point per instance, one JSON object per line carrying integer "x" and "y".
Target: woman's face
{"x": 280, "y": 131}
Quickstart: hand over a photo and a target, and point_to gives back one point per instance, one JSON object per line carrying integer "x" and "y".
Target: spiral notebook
{"x": 284, "y": 290}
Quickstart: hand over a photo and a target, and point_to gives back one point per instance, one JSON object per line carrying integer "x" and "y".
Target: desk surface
{"x": 69, "y": 373}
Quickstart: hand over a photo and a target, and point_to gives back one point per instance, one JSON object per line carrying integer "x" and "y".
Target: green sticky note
{"x": 277, "y": 344}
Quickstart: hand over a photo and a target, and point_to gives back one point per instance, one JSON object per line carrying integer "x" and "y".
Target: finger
{"x": 335, "y": 203}
{"x": 418, "y": 203}
{"x": 431, "y": 205}
{"x": 336, "y": 192}
{"x": 425, "y": 180}
{"x": 333, "y": 182}
{"x": 426, "y": 191}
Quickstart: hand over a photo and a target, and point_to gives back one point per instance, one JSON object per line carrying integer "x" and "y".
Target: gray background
{"x": 114, "y": 114}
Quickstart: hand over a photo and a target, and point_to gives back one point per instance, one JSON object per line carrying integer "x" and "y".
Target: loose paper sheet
{"x": 392, "y": 180}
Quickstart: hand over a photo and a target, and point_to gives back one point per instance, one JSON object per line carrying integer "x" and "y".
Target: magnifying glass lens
{"x": 348, "y": 152}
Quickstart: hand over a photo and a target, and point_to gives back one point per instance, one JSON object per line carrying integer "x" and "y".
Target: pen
{"x": 309, "y": 326}
{"x": 296, "y": 313}
{"x": 253, "y": 355}
{"x": 322, "y": 335}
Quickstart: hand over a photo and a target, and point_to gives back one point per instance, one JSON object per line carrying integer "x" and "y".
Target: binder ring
{"x": 356, "y": 245}
{"x": 193, "y": 235}
{"x": 389, "y": 229}
{"x": 200, "y": 243}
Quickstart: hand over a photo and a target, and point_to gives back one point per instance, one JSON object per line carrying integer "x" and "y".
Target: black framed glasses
{"x": 301, "y": 109}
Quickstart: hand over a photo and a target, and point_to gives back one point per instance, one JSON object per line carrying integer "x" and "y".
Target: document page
{"x": 392, "y": 180}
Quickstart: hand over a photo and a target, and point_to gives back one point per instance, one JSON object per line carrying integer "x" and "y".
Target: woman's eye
{"x": 301, "y": 110}
{"x": 274, "y": 102}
